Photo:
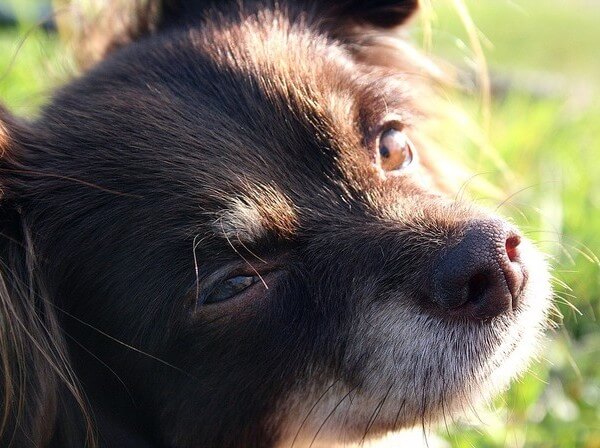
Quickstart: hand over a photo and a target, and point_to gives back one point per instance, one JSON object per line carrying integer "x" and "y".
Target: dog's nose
{"x": 482, "y": 276}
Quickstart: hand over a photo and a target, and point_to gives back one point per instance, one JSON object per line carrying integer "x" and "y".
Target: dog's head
{"x": 243, "y": 246}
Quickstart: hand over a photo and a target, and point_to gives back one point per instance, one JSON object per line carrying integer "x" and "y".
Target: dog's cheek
{"x": 390, "y": 376}
{"x": 241, "y": 359}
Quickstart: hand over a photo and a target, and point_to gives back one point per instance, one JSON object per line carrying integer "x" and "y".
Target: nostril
{"x": 482, "y": 275}
{"x": 512, "y": 247}
{"x": 477, "y": 286}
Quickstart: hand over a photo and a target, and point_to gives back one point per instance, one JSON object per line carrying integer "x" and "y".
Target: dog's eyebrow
{"x": 240, "y": 221}
{"x": 248, "y": 218}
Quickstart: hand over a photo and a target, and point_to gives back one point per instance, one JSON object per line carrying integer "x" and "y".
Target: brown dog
{"x": 222, "y": 236}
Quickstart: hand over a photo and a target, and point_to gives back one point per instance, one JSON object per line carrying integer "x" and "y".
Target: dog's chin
{"x": 406, "y": 368}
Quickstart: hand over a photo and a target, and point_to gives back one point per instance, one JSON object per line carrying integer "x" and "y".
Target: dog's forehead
{"x": 252, "y": 124}
{"x": 281, "y": 123}
{"x": 299, "y": 110}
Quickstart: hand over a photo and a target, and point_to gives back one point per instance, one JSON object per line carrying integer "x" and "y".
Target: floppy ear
{"x": 384, "y": 14}
{"x": 115, "y": 23}
{"x": 377, "y": 13}
{"x": 35, "y": 371}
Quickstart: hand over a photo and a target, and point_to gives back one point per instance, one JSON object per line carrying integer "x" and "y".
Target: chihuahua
{"x": 227, "y": 232}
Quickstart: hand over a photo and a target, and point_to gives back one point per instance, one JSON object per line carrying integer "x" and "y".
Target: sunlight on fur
{"x": 203, "y": 212}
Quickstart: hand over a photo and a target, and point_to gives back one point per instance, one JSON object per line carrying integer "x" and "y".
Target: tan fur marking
{"x": 252, "y": 216}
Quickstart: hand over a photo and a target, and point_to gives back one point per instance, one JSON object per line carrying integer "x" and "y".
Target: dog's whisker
{"x": 458, "y": 197}
{"x": 333, "y": 410}
{"x": 104, "y": 364}
{"x": 195, "y": 244}
{"x": 522, "y": 190}
{"x": 124, "y": 344}
{"x": 312, "y": 409}
{"x": 71, "y": 179}
{"x": 248, "y": 250}
{"x": 244, "y": 258}
{"x": 375, "y": 414}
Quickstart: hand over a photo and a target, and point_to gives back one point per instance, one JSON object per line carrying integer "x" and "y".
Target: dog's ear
{"x": 36, "y": 381}
{"x": 377, "y": 13}
{"x": 383, "y": 14}
{"x": 117, "y": 23}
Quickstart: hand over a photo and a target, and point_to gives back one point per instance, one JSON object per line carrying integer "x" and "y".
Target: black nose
{"x": 482, "y": 276}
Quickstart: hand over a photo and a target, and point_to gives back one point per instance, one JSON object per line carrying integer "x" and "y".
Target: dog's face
{"x": 242, "y": 202}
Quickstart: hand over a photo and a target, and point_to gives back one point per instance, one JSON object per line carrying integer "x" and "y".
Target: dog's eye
{"x": 395, "y": 150}
{"x": 230, "y": 288}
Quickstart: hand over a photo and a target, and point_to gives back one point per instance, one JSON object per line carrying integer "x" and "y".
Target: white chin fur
{"x": 415, "y": 369}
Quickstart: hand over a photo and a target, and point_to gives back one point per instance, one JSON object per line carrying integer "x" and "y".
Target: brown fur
{"x": 217, "y": 140}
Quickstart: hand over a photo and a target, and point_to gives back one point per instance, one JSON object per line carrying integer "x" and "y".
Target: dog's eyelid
{"x": 234, "y": 277}
{"x": 228, "y": 288}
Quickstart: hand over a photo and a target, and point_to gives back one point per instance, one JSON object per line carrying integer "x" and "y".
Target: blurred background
{"x": 529, "y": 87}
{"x": 541, "y": 146}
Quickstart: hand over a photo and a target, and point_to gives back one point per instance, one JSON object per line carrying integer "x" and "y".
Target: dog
{"x": 228, "y": 233}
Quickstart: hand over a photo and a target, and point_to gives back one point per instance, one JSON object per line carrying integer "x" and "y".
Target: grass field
{"x": 545, "y": 124}
{"x": 544, "y": 60}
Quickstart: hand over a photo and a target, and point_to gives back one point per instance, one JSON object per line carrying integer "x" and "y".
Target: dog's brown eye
{"x": 395, "y": 150}
{"x": 229, "y": 288}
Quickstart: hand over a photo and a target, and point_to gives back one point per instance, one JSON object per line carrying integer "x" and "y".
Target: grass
{"x": 29, "y": 67}
{"x": 546, "y": 128}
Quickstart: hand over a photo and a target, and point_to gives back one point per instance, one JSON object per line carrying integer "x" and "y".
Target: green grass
{"x": 553, "y": 35}
{"x": 551, "y": 145}
{"x": 28, "y": 69}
